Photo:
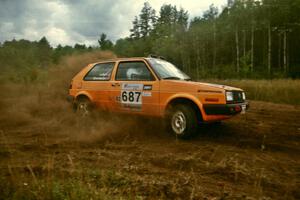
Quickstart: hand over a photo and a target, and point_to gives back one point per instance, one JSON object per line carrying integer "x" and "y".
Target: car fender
{"x": 84, "y": 93}
{"x": 190, "y": 97}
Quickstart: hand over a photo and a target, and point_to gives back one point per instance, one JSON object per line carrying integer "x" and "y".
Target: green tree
{"x": 104, "y": 43}
{"x": 147, "y": 19}
{"x": 79, "y": 46}
{"x": 247, "y": 38}
{"x": 135, "y": 31}
{"x": 44, "y": 52}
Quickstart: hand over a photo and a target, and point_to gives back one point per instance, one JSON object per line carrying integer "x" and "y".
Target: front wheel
{"x": 182, "y": 121}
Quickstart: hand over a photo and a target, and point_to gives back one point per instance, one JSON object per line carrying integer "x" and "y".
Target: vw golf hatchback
{"x": 151, "y": 86}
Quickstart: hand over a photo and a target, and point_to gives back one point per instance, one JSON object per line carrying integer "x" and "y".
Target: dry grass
{"x": 40, "y": 110}
{"x": 42, "y": 105}
{"x": 278, "y": 90}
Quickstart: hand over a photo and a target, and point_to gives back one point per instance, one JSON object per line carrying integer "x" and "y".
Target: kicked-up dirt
{"x": 251, "y": 156}
{"x": 47, "y": 152}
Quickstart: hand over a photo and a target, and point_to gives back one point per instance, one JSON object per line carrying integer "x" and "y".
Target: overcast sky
{"x": 68, "y": 22}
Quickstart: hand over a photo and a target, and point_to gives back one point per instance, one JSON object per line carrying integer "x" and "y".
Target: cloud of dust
{"x": 42, "y": 107}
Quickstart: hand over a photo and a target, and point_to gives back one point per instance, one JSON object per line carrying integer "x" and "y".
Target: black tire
{"x": 83, "y": 107}
{"x": 182, "y": 121}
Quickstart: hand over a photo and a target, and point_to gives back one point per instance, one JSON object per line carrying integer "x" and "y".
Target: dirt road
{"x": 252, "y": 156}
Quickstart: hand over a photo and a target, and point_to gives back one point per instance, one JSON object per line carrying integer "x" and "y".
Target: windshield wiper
{"x": 172, "y": 78}
{"x": 187, "y": 79}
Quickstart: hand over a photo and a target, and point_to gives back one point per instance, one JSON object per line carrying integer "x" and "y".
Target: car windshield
{"x": 166, "y": 70}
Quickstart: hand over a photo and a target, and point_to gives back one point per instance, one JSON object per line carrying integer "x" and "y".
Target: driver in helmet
{"x": 134, "y": 73}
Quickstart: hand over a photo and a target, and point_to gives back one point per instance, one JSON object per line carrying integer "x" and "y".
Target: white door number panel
{"x": 131, "y": 97}
{"x": 131, "y": 94}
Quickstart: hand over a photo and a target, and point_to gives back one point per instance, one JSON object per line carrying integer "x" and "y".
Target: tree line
{"x": 245, "y": 39}
{"x": 24, "y": 60}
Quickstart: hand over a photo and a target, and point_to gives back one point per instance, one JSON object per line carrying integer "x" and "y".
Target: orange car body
{"x": 152, "y": 97}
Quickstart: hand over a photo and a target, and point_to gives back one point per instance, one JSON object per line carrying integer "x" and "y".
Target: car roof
{"x": 120, "y": 59}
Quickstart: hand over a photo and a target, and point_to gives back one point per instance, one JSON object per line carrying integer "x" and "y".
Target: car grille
{"x": 237, "y": 97}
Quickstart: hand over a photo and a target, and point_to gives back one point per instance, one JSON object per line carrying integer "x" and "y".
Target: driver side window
{"x": 133, "y": 71}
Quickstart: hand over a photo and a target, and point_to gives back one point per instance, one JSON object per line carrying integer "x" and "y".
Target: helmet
{"x": 133, "y": 73}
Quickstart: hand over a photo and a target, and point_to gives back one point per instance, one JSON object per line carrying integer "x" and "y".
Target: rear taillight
{"x": 71, "y": 85}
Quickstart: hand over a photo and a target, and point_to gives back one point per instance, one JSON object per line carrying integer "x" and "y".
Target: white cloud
{"x": 79, "y": 21}
{"x": 194, "y": 7}
{"x": 58, "y": 36}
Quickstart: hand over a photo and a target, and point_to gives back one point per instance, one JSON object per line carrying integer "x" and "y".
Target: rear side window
{"x": 100, "y": 72}
{"x": 133, "y": 71}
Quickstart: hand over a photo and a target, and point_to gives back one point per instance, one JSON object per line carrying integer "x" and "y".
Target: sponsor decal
{"x": 132, "y": 86}
{"x": 146, "y": 94}
{"x": 132, "y": 107}
{"x": 147, "y": 87}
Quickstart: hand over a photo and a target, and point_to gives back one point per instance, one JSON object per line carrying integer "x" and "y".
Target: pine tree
{"x": 104, "y": 43}
{"x": 135, "y": 31}
{"x": 147, "y": 18}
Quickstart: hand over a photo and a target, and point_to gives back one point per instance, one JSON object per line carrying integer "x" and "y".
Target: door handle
{"x": 115, "y": 84}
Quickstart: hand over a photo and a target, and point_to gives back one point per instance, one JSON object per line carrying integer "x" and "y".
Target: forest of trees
{"x": 246, "y": 39}
{"x": 23, "y": 60}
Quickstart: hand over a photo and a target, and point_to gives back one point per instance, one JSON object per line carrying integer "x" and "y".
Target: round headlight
{"x": 229, "y": 96}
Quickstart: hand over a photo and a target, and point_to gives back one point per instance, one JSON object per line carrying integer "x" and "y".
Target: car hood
{"x": 202, "y": 85}
{"x": 225, "y": 87}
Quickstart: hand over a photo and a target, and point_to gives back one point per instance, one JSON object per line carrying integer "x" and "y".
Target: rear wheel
{"x": 83, "y": 107}
{"x": 182, "y": 121}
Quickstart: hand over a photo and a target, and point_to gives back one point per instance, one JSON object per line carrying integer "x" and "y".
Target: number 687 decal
{"x": 131, "y": 97}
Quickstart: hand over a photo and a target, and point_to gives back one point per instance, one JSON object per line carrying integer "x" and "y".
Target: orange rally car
{"x": 151, "y": 86}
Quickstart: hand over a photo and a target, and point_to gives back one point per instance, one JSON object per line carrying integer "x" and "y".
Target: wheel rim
{"x": 82, "y": 109}
{"x": 178, "y": 122}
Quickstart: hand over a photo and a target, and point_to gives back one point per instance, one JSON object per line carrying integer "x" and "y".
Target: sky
{"x": 68, "y": 22}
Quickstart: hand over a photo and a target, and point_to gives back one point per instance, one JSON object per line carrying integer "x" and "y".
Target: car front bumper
{"x": 225, "y": 109}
